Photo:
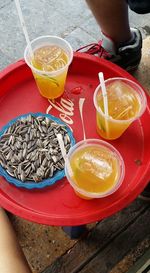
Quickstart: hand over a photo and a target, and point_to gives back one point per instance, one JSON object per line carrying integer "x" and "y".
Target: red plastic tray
{"x": 58, "y": 204}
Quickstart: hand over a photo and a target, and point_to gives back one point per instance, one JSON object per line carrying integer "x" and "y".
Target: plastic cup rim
{"x": 120, "y": 164}
{"x": 48, "y": 72}
{"x": 142, "y": 94}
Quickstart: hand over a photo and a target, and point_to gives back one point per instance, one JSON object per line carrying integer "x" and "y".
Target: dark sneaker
{"x": 127, "y": 56}
{"x": 145, "y": 195}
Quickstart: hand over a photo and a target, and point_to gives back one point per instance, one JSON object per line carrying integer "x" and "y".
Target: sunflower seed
{"x": 28, "y": 171}
{"x": 10, "y": 173}
{"x": 24, "y": 152}
{"x": 54, "y": 158}
{"x": 48, "y": 156}
{"x": 60, "y": 166}
{"x": 33, "y": 167}
{"x": 9, "y": 155}
{"x": 6, "y": 150}
{"x": 44, "y": 162}
{"x": 51, "y": 171}
{"x": 47, "y": 173}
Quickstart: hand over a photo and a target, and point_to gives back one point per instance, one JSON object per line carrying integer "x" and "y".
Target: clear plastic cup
{"x": 126, "y": 103}
{"x": 94, "y": 168}
{"x": 50, "y": 83}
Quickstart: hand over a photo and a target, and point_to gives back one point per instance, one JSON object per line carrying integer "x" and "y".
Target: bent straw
{"x": 63, "y": 152}
{"x": 81, "y": 102}
{"x": 24, "y": 27}
{"x": 105, "y": 99}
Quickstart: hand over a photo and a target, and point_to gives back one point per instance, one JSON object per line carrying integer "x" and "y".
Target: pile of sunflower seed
{"x": 29, "y": 149}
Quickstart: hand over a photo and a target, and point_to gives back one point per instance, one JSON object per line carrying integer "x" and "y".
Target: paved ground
{"x": 70, "y": 19}
{"x": 73, "y": 21}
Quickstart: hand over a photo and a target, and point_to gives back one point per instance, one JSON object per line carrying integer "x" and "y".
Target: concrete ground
{"x": 73, "y": 21}
{"x": 69, "y": 19}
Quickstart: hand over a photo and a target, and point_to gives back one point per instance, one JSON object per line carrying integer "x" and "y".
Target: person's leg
{"x": 120, "y": 44}
{"x": 12, "y": 259}
{"x": 112, "y": 17}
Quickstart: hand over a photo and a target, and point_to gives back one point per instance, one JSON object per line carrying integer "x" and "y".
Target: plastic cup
{"x": 50, "y": 83}
{"x": 126, "y": 103}
{"x": 94, "y": 168}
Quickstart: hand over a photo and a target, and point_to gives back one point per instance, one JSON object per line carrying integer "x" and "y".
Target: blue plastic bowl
{"x": 45, "y": 182}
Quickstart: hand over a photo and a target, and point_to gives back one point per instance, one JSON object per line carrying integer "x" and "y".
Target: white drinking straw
{"x": 24, "y": 27}
{"x": 104, "y": 93}
{"x": 63, "y": 152}
{"x": 105, "y": 99}
{"x": 61, "y": 145}
{"x": 81, "y": 102}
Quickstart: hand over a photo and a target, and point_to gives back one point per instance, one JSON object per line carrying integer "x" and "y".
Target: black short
{"x": 139, "y": 6}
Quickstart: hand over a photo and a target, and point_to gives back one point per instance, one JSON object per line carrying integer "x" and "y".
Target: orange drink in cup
{"x": 94, "y": 168}
{"x": 51, "y": 58}
{"x": 126, "y": 103}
